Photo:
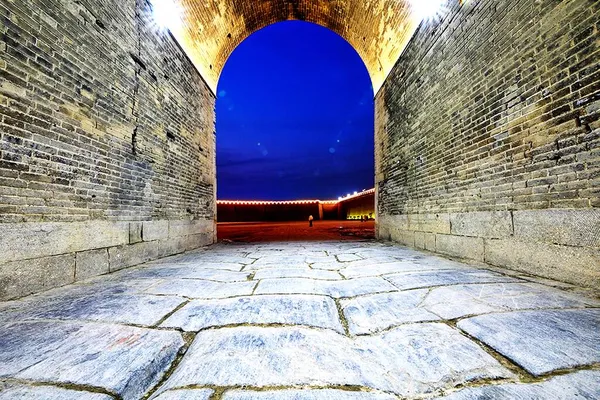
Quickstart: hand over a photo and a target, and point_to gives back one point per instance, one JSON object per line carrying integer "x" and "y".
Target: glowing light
{"x": 167, "y": 14}
{"x": 428, "y": 9}
{"x": 296, "y": 202}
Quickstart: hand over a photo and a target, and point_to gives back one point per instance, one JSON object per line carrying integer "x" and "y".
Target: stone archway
{"x": 378, "y": 30}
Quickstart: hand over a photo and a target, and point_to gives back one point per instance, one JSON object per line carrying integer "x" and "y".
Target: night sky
{"x": 294, "y": 117}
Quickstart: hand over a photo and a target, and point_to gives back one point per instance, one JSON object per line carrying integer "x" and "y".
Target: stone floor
{"x": 322, "y": 320}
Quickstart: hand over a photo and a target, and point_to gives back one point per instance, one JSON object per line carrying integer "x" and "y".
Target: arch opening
{"x": 379, "y": 30}
{"x": 294, "y": 117}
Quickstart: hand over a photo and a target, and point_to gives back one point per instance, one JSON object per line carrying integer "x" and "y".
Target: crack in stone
{"x": 342, "y": 317}
{"x": 188, "y": 338}
{"x": 169, "y": 314}
{"x": 70, "y": 386}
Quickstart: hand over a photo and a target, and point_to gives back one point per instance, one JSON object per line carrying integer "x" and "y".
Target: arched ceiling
{"x": 378, "y": 29}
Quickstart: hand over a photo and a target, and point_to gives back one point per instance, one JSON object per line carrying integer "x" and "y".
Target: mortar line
{"x": 188, "y": 339}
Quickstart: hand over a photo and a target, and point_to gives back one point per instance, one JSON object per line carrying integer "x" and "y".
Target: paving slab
{"x": 185, "y": 394}
{"x": 541, "y": 341}
{"x": 296, "y": 273}
{"x": 337, "y": 289}
{"x": 387, "y": 268}
{"x": 332, "y": 265}
{"x": 579, "y": 385}
{"x": 131, "y": 360}
{"x": 135, "y": 309}
{"x": 347, "y": 257}
{"x": 368, "y": 262}
{"x": 292, "y": 356}
{"x": 305, "y": 394}
{"x": 14, "y": 391}
{"x": 201, "y": 289}
{"x": 192, "y": 272}
{"x": 414, "y": 280}
{"x": 464, "y": 300}
{"x": 307, "y": 310}
{"x": 374, "y": 313}
{"x": 257, "y": 266}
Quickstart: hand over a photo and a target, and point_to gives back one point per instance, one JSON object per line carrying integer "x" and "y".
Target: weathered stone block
{"x": 460, "y": 246}
{"x": 419, "y": 240}
{"x": 40, "y": 239}
{"x": 570, "y": 264}
{"x": 133, "y": 254}
{"x": 91, "y": 263}
{"x": 486, "y": 224}
{"x": 406, "y": 238}
{"x": 557, "y": 330}
{"x": 131, "y": 360}
{"x": 135, "y": 232}
{"x": 21, "y": 278}
{"x": 434, "y": 223}
{"x": 187, "y": 227}
{"x": 155, "y": 230}
{"x": 569, "y": 227}
{"x": 430, "y": 241}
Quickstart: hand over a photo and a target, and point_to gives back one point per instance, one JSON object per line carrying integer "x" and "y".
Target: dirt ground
{"x": 295, "y": 231}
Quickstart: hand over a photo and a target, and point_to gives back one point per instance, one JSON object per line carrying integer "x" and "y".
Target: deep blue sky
{"x": 294, "y": 117}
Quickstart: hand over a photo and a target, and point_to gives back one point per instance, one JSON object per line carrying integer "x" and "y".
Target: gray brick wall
{"x": 102, "y": 116}
{"x": 495, "y": 109}
{"x": 107, "y": 145}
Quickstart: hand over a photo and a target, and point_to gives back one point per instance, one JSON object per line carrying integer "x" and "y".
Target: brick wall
{"x": 488, "y": 138}
{"x": 106, "y": 142}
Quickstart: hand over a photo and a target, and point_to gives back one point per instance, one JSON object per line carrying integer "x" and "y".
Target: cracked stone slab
{"x": 185, "y": 394}
{"x": 220, "y": 275}
{"x": 131, "y": 360}
{"x": 200, "y": 289}
{"x": 135, "y": 309}
{"x": 369, "y": 262}
{"x": 345, "y": 257}
{"x": 223, "y": 266}
{"x": 297, "y": 273}
{"x": 541, "y": 341}
{"x": 374, "y": 313}
{"x": 337, "y": 289}
{"x": 305, "y": 394}
{"x": 207, "y": 259}
{"x": 259, "y": 266}
{"x": 415, "y": 280}
{"x": 463, "y": 300}
{"x": 308, "y": 310}
{"x": 13, "y": 391}
{"x": 332, "y": 265}
{"x": 387, "y": 268}
{"x": 579, "y": 385}
{"x": 413, "y": 359}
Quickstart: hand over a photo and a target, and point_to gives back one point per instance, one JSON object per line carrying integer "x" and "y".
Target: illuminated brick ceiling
{"x": 378, "y": 29}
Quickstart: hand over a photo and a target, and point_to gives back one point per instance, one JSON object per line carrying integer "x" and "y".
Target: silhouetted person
{"x": 310, "y": 221}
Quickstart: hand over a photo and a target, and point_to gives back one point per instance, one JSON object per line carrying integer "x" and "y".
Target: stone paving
{"x": 303, "y": 321}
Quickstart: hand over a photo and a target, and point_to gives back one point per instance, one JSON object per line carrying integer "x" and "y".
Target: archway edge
{"x": 378, "y": 30}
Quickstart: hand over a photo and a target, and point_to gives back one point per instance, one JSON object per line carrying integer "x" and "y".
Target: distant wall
{"x": 488, "y": 138}
{"x": 356, "y": 207}
{"x": 107, "y": 147}
{"x": 267, "y": 212}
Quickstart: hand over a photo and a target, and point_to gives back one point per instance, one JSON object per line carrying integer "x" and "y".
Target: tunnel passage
{"x": 487, "y": 130}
